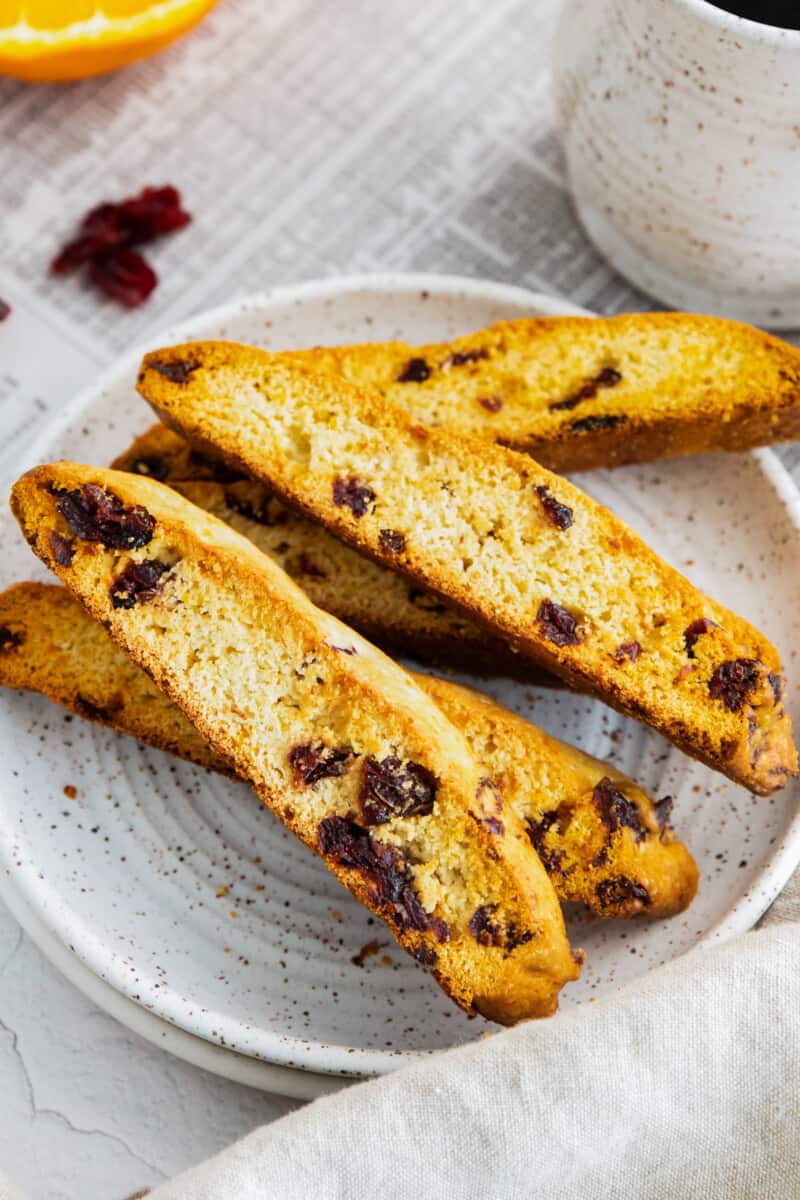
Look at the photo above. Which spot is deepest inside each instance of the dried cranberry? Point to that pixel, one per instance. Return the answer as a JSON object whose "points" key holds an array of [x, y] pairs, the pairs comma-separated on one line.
{"points": [[352, 493], [608, 377], [663, 811], [108, 231], [341, 649], [620, 890], [592, 424], [314, 761], [494, 825], [384, 869], [558, 514], [492, 404], [9, 639], [123, 275], [63, 548], [733, 681], [391, 788], [460, 357], [694, 631], [537, 832], [627, 650], [152, 466], [558, 626], [138, 583], [5, 310], [306, 566], [392, 541], [416, 370], [176, 370], [99, 516], [426, 955], [151, 214], [616, 810], [484, 928], [776, 683]]}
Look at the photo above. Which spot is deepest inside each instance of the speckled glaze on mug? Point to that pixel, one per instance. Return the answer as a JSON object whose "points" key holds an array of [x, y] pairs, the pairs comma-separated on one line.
{"points": [[681, 128]]}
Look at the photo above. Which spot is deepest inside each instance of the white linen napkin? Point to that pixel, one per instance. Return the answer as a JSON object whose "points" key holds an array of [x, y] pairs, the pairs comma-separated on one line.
{"points": [[682, 1085]]}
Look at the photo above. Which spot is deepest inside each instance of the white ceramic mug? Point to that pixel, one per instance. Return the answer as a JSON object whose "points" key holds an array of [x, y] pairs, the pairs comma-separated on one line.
{"points": [[681, 127]]}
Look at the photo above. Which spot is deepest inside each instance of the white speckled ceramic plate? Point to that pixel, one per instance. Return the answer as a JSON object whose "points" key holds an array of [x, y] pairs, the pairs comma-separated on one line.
{"points": [[182, 893]]}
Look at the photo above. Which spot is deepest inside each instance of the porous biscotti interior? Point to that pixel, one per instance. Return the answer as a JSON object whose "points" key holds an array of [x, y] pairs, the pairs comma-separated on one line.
{"points": [[383, 606], [601, 838], [551, 379], [517, 547], [305, 709]]}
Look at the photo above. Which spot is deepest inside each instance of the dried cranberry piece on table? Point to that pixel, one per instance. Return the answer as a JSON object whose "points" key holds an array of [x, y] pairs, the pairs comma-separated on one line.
{"points": [[106, 237]]}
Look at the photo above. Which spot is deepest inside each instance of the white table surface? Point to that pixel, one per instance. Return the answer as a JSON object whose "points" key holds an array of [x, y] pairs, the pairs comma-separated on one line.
{"points": [[309, 139]]}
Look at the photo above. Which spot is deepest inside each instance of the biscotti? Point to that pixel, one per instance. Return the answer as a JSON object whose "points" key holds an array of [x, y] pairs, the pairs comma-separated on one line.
{"points": [[339, 741], [398, 617], [583, 392], [601, 838], [521, 550]]}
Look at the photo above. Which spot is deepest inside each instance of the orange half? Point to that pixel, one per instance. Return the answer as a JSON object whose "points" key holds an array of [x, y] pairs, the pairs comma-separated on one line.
{"points": [[49, 41]]}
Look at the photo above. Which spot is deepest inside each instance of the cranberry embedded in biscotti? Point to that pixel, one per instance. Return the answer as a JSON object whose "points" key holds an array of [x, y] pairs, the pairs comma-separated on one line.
{"points": [[694, 631], [558, 514], [611, 893], [352, 493], [176, 370], [627, 652], [558, 626], [96, 515], [314, 761], [63, 549], [392, 541], [138, 583], [733, 682], [416, 370], [391, 788], [616, 810]]}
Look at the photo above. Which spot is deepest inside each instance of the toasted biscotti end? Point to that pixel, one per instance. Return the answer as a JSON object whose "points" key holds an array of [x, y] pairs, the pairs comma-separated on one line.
{"points": [[584, 392], [603, 840], [340, 742], [522, 551], [49, 644], [587, 834]]}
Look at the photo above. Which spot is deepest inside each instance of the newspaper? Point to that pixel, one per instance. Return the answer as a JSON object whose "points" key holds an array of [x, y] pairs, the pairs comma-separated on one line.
{"points": [[307, 139]]}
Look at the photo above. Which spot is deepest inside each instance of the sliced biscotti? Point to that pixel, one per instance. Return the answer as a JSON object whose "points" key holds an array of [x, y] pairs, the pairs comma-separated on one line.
{"points": [[517, 548], [601, 838], [50, 644], [399, 617], [582, 392], [339, 741]]}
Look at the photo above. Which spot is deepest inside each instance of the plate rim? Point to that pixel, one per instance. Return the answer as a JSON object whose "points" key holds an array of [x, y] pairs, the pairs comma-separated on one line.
{"points": [[276, 1076]]}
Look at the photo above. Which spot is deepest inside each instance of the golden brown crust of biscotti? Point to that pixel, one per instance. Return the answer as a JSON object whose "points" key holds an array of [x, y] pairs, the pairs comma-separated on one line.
{"points": [[340, 742], [603, 840], [521, 550], [381, 605], [584, 392]]}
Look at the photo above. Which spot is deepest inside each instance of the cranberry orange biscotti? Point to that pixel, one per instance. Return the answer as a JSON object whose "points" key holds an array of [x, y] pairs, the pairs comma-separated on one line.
{"points": [[517, 548], [398, 617], [583, 392], [335, 738], [601, 838]]}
